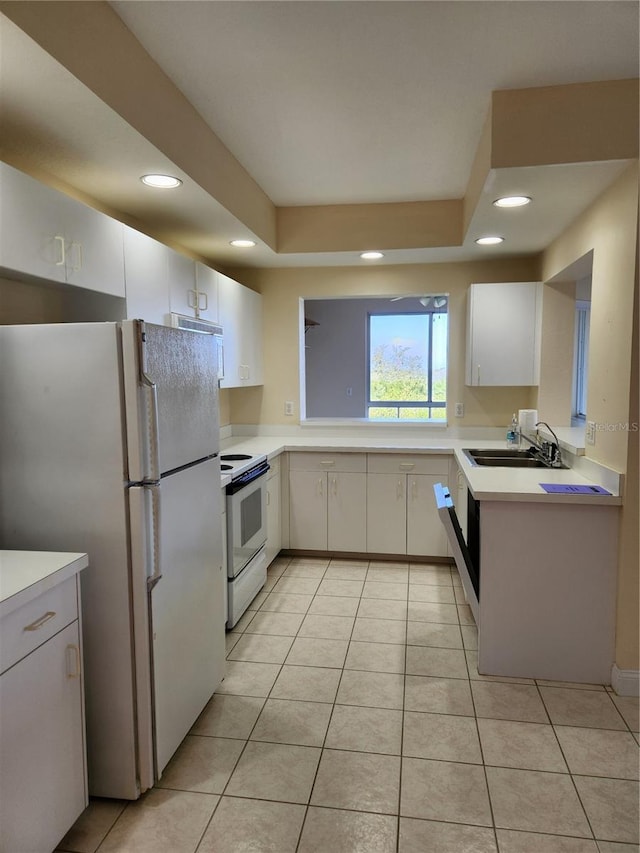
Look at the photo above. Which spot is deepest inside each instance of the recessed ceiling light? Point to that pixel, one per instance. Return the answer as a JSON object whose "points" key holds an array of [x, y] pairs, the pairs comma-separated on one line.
{"points": [[489, 241], [162, 182], [371, 256], [243, 244], [512, 201]]}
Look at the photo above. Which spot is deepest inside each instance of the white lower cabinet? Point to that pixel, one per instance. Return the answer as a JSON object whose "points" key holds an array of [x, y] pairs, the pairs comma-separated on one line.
{"points": [[43, 787], [274, 517], [401, 513], [327, 501]]}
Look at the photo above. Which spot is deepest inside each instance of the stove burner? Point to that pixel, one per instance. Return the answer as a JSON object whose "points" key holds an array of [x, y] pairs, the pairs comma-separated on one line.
{"points": [[235, 457], [226, 467]]}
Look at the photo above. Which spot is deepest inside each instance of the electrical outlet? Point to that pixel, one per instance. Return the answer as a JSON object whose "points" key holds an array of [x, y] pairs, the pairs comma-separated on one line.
{"points": [[459, 410], [590, 435], [288, 407]]}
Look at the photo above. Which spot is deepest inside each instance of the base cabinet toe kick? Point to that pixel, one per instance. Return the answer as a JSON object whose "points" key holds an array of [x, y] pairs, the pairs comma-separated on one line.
{"points": [[541, 582]]}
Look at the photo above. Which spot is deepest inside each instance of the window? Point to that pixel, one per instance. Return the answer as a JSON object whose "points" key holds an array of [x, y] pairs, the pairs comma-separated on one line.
{"points": [[407, 366], [581, 360]]}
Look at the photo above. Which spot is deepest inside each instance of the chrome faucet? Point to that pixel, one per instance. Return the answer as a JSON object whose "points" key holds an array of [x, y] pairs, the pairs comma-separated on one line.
{"points": [[549, 450]]}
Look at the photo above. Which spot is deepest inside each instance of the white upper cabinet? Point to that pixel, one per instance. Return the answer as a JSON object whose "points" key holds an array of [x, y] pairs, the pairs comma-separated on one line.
{"points": [[206, 293], [146, 276], [240, 315], [49, 235], [182, 283], [503, 333]]}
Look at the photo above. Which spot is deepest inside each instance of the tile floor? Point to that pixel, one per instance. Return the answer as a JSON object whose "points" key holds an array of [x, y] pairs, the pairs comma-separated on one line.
{"points": [[353, 720]]}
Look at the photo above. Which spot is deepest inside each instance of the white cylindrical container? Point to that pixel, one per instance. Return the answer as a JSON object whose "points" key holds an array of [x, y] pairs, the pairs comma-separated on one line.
{"points": [[527, 419]]}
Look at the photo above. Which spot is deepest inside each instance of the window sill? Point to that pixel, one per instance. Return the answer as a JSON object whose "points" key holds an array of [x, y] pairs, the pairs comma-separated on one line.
{"points": [[371, 422]]}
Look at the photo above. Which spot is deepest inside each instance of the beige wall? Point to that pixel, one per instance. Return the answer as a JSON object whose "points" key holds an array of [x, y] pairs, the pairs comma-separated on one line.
{"points": [[556, 355], [610, 228], [282, 290], [22, 302]]}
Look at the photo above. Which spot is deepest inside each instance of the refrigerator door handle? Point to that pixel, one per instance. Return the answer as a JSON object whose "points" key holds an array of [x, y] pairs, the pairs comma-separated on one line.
{"points": [[153, 535], [152, 443]]}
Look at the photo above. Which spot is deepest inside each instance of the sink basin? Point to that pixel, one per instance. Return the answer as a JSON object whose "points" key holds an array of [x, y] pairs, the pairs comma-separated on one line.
{"points": [[506, 458], [510, 462]]}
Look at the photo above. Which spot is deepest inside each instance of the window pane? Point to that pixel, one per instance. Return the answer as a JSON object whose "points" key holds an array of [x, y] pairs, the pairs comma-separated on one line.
{"points": [[439, 414], [380, 412], [399, 346], [421, 414]]}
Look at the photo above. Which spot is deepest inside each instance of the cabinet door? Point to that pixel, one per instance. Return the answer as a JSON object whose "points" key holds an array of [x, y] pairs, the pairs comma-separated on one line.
{"points": [[182, 284], [146, 277], [32, 235], [251, 351], [386, 514], [347, 511], [207, 287], [425, 532], [308, 510], [94, 249], [274, 533], [43, 778], [229, 311], [503, 334]]}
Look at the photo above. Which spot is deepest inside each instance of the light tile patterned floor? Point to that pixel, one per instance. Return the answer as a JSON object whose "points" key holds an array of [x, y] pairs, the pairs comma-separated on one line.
{"points": [[353, 720]]}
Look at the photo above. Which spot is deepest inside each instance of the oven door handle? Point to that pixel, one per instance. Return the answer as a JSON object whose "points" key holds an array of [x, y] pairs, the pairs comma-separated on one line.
{"points": [[247, 478]]}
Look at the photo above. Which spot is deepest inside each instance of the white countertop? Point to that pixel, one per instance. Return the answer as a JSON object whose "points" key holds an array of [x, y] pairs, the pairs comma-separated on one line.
{"points": [[486, 483], [26, 574]]}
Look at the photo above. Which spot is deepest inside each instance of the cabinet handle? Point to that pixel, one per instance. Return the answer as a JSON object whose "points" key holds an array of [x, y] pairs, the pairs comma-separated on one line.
{"points": [[478, 375], [320, 488], [73, 661], [327, 462], [78, 254], [335, 486], [60, 241], [34, 626], [414, 490], [399, 490], [268, 498], [407, 466], [206, 300], [192, 303]]}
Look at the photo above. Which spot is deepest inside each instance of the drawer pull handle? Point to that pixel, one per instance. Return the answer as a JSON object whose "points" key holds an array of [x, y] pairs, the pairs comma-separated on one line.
{"points": [[407, 466], [327, 462], [34, 626], [73, 661]]}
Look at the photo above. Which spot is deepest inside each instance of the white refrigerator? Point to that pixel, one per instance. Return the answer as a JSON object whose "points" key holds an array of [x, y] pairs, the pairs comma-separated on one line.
{"points": [[109, 439]]}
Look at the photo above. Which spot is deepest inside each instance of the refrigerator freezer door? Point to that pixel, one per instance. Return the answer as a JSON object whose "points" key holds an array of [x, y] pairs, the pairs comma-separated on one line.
{"points": [[187, 604], [183, 368]]}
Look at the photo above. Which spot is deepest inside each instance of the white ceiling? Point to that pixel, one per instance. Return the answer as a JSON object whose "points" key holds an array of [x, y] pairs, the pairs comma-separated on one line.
{"points": [[329, 102]]}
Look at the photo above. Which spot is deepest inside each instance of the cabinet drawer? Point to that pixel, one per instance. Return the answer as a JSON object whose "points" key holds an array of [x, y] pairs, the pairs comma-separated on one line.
{"points": [[318, 461], [399, 463], [26, 628]]}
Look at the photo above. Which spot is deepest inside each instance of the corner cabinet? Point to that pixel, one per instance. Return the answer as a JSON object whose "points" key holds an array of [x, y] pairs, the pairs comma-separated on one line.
{"points": [[240, 315], [503, 333], [48, 235], [43, 777]]}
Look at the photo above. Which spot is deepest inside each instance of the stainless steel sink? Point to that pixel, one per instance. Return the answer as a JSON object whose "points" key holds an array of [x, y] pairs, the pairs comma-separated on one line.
{"points": [[506, 458]]}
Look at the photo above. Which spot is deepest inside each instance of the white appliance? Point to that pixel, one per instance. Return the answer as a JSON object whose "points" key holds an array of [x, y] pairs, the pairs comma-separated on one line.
{"points": [[466, 554], [246, 497], [109, 443]]}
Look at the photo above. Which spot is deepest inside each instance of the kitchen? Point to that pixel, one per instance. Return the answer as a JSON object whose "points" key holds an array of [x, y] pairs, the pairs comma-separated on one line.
{"points": [[605, 227]]}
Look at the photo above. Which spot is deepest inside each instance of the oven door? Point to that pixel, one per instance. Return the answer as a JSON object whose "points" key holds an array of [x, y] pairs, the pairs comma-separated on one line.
{"points": [[246, 523], [469, 573]]}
